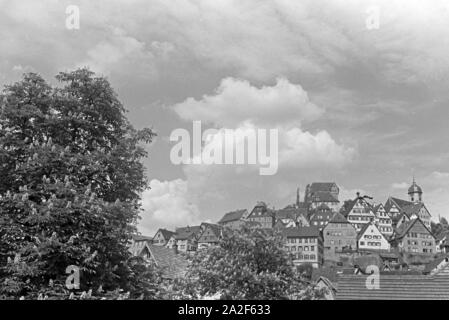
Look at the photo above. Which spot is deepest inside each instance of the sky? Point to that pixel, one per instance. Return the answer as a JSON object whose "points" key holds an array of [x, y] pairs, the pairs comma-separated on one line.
{"points": [[357, 90]]}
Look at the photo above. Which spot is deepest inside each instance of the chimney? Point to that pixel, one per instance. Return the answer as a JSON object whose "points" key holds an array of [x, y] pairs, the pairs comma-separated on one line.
{"points": [[358, 194]]}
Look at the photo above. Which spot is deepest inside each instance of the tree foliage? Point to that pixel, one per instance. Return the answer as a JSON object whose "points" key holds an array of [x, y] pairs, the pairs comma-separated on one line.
{"points": [[70, 182], [247, 264]]}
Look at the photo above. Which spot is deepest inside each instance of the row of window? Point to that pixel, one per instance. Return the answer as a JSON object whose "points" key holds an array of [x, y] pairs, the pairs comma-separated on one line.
{"points": [[300, 248], [374, 236], [425, 250], [419, 235], [299, 240], [360, 218], [424, 243], [299, 256], [371, 244]]}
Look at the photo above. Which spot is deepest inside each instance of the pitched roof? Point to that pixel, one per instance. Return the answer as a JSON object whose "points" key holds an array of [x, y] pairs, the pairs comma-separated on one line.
{"points": [[405, 228], [338, 218], [166, 233], [215, 228], [362, 231], [188, 232], [264, 211], [173, 265], [290, 212], [301, 232], [378, 207], [321, 216], [321, 186], [394, 287], [398, 202], [233, 216], [412, 209]]}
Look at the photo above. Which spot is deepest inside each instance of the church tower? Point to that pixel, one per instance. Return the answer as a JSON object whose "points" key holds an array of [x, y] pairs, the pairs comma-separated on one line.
{"points": [[415, 192]]}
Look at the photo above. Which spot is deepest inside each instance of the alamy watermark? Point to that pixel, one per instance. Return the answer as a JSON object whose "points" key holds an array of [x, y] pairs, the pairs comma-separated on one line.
{"points": [[227, 146]]}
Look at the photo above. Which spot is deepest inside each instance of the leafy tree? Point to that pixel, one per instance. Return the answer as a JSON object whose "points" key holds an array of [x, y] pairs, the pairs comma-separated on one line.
{"points": [[247, 264], [70, 179], [345, 207]]}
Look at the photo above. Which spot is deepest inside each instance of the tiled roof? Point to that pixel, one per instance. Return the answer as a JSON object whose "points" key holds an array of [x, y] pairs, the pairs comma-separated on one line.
{"points": [[398, 202], [185, 233], [290, 213], [321, 186], [300, 232], [405, 227], [233, 216], [394, 287], [216, 230], [362, 231], [173, 265], [262, 208], [412, 209], [321, 216], [166, 233], [338, 218]]}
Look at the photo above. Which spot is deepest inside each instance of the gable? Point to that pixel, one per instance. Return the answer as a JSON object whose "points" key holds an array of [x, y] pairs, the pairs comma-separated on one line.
{"points": [[360, 207], [418, 227]]}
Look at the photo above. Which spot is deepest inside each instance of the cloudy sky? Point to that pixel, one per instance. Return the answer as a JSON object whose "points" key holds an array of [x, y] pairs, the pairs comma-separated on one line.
{"points": [[363, 106]]}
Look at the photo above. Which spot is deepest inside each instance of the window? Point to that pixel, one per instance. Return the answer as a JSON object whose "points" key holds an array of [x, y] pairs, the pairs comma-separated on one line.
{"points": [[306, 248], [312, 248]]}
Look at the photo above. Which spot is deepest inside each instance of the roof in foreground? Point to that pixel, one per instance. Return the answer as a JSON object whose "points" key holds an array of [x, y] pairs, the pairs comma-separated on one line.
{"points": [[172, 264], [394, 287]]}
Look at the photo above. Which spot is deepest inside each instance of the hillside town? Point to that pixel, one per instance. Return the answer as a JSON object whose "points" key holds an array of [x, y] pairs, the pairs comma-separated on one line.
{"points": [[339, 241]]}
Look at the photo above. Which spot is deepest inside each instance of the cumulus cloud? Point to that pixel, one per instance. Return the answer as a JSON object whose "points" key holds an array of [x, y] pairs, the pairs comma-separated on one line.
{"points": [[282, 107], [168, 204], [236, 101]]}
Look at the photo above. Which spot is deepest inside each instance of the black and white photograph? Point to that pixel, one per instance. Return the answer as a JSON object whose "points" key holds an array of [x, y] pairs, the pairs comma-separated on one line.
{"points": [[232, 150]]}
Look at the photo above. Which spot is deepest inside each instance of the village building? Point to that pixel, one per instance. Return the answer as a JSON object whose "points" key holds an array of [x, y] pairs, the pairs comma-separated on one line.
{"points": [[330, 290], [210, 235], [414, 237], [162, 237], [186, 239], [370, 238], [168, 260], [393, 207], [322, 193], [292, 216], [442, 242], [412, 208], [383, 220], [359, 212], [338, 235], [320, 216], [418, 210], [234, 220], [262, 217], [305, 245]]}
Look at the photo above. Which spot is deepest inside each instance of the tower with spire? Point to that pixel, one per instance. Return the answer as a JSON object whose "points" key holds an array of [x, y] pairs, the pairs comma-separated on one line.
{"points": [[415, 192]]}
